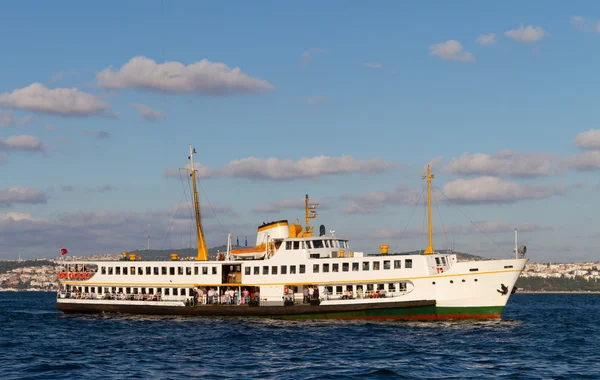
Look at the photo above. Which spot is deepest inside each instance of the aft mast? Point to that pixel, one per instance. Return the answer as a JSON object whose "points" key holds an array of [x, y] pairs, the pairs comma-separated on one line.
{"points": [[429, 177], [202, 251]]}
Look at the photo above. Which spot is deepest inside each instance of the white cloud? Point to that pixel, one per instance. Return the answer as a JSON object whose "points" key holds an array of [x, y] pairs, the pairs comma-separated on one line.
{"points": [[588, 140], [7, 119], [96, 232], [493, 190], [489, 227], [486, 39], [202, 78], [98, 134], [586, 161], [59, 101], [373, 65], [148, 113], [201, 171], [316, 100], [451, 50], [278, 206], [504, 163], [276, 169], [12, 195], [105, 188], [375, 201], [309, 54], [286, 169], [585, 25], [22, 143], [527, 34]]}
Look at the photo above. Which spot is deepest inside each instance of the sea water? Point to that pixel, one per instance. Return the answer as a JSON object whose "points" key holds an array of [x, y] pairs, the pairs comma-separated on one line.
{"points": [[541, 336]]}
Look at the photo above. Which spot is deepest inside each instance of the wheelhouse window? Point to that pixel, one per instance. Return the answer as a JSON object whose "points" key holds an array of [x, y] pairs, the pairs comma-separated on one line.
{"points": [[325, 268], [326, 243], [204, 270], [172, 271], [125, 271], [132, 270], [354, 267], [345, 267], [288, 245], [302, 268], [195, 271], [214, 270], [376, 265], [180, 270], [365, 265], [397, 264], [156, 271], [163, 270], [103, 270], [296, 245], [247, 271], [284, 269], [118, 270], [256, 270], [188, 271], [140, 271], [318, 243], [335, 267], [309, 244], [110, 271], [408, 263], [292, 269], [266, 269], [315, 268], [148, 270], [274, 269], [386, 264]]}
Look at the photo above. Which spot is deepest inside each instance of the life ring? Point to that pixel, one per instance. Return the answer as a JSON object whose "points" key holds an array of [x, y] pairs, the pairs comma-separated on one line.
{"points": [[285, 290], [71, 275], [439, 270], [87, 275], [60, 274]]}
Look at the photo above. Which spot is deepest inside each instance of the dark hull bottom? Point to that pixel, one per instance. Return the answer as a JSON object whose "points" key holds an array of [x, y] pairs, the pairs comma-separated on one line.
{"points": [[411, 310]]}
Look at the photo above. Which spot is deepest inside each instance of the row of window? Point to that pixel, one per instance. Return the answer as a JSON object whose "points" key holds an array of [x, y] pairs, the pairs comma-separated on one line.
{"points": [[266, 269], [156, 270], [290, 245], [326, 268], [129, 290], [391, 287]]}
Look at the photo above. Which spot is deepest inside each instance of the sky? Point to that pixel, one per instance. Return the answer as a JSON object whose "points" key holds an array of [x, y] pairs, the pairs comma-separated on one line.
{"points": [[346, 102]]}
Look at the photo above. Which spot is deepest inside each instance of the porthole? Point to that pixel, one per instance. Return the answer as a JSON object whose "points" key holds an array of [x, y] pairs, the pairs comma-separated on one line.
{"points": [[433, 283], [464, 280], [475, 280], [452, 282]]}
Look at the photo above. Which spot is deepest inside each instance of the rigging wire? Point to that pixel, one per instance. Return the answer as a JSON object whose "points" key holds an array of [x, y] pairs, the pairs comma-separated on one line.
{"points": [[213, 210], [441, 220], [409, 219], [482, 231]]}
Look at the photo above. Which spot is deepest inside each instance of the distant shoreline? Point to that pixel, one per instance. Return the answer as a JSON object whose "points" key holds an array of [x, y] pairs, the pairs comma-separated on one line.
{"points": [[557, 292]]}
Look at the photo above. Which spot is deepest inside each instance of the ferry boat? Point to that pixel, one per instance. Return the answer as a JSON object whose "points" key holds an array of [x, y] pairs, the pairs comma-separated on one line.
{"points": [[294, 273]]}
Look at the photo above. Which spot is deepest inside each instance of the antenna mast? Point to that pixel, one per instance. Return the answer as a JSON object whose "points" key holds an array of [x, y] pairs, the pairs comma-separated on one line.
{"points": [[148, 237], [429, 177], [310, 213], [202, 251]]}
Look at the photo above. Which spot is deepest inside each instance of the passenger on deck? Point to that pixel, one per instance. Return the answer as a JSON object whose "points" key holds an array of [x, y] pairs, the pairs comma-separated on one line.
{"points": [[305, 293]]}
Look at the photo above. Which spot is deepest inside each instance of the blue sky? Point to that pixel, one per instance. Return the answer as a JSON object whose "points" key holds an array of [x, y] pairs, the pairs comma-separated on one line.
{"points": [[344, 101]]}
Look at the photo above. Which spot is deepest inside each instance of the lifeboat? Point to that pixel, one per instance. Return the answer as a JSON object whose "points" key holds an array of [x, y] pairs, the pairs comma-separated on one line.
{"points": [[257, 252]]}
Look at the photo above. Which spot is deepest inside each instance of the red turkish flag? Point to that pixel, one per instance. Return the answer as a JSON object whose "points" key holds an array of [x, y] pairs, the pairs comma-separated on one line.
{"points": [[63, 251]]}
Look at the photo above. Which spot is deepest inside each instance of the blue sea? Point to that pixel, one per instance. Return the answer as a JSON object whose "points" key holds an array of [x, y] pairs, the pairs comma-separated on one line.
{"points": [[541, 336]]}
